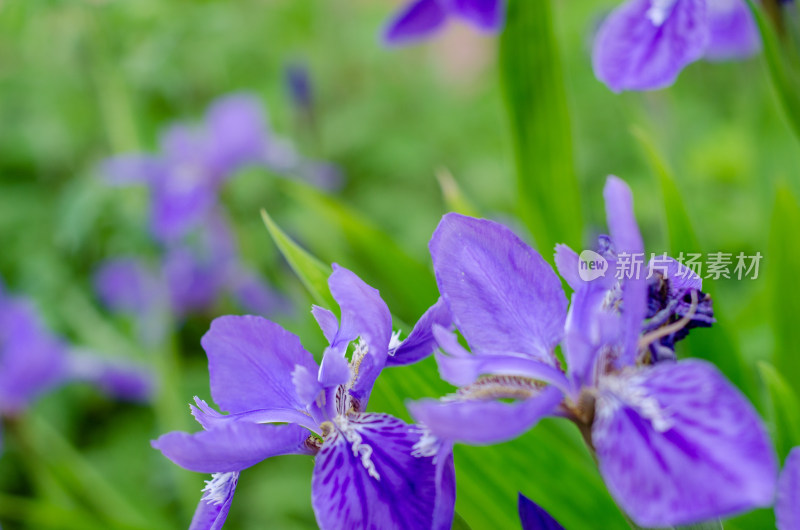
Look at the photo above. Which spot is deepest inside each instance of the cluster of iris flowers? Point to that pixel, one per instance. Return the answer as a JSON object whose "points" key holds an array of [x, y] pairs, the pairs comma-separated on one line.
{"points": [[674, 441]]}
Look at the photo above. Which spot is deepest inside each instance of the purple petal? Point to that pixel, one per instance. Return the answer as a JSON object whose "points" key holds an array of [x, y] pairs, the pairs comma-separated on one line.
{"points": [[237, 132], [126, 285], [250, 362], [534, 517], [787, 505], [642, 47], [116, 378], [327, 322], [734, 34], [366, 477], [626, 237], [233, 446], [123, 170], [212, 510], [193, 283], [461, 368], [211, 419], [567, 262], [678, 444], [32, 360], [483, 422], [503, 296], [418, 20], [680, 278], [364, 315], [486, 15], [420, 343]]}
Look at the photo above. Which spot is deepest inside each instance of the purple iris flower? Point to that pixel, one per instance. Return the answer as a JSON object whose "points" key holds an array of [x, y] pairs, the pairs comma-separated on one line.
{"points": [[193, 275], [534, 517], [365, 474], [33, 361], [184, 178], [422, 18], [675, 442], [644, 44], [787, 505]]}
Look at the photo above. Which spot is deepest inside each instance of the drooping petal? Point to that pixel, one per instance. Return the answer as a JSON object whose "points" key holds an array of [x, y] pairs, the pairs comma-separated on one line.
{"points": [[420, 342], [212, 510], [787, 505], [503, 296], [483, 422], [644, 44], [485, 15], [462, 368], [232, 446], [364, 314], [678, 444], [366, 477], [627, 239], [534, 517], [418, 20], [250, 363], [734, 34]]}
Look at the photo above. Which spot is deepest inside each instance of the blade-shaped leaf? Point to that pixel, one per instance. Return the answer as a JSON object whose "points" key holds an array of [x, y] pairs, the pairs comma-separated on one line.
{"points": [[783, 409], [533, 84], [454, 198]]}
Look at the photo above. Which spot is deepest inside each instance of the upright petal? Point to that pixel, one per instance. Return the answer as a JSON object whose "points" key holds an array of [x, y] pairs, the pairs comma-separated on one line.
{"points": [[418, 20], [503, 296], [327, 322], [678, 444], [787, 506], [232, 446], [364, 315], [212, 510], [366, 477], [734, 34], [644, 44], [486, 15], [534, 517], [627, 239], [480, 422], [250, 363], [420, 342]]}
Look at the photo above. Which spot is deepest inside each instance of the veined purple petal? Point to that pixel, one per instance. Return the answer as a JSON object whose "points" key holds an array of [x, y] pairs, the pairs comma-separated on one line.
{"points": [[364, 315], [485, 15], [212, 510], [114, 377], [32, 360], [626, 237], [787, 505], [418, 20], [420, 342], [503, 296], [483, 422], [366, 477], [237, 132], [678, 444], [250, 363], [534, 517], [644, 44], [327, 322], [462, 368], [734, 34], [124, 170], [233, 446]]}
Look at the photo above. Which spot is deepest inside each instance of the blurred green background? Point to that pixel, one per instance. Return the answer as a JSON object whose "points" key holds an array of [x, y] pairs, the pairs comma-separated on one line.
{"points": [[83, 80]]}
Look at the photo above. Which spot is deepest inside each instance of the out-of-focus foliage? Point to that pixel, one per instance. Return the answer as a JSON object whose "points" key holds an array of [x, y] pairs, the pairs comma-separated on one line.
{"points": [[84, 79]]}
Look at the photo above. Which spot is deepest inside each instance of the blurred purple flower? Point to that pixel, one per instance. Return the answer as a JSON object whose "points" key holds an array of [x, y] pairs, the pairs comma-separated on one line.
{"points": [[33, 361], [534, 517], [365, 475], [184, 178], [644, 44], [298, 84], [420, 19], [675, 442], [787, 505]]}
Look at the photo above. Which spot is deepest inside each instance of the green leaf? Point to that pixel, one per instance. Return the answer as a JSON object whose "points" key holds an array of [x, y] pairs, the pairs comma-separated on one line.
{"points": [[781, 264], [715, 344], [532, 78], [311, 271], [783, 410]]}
